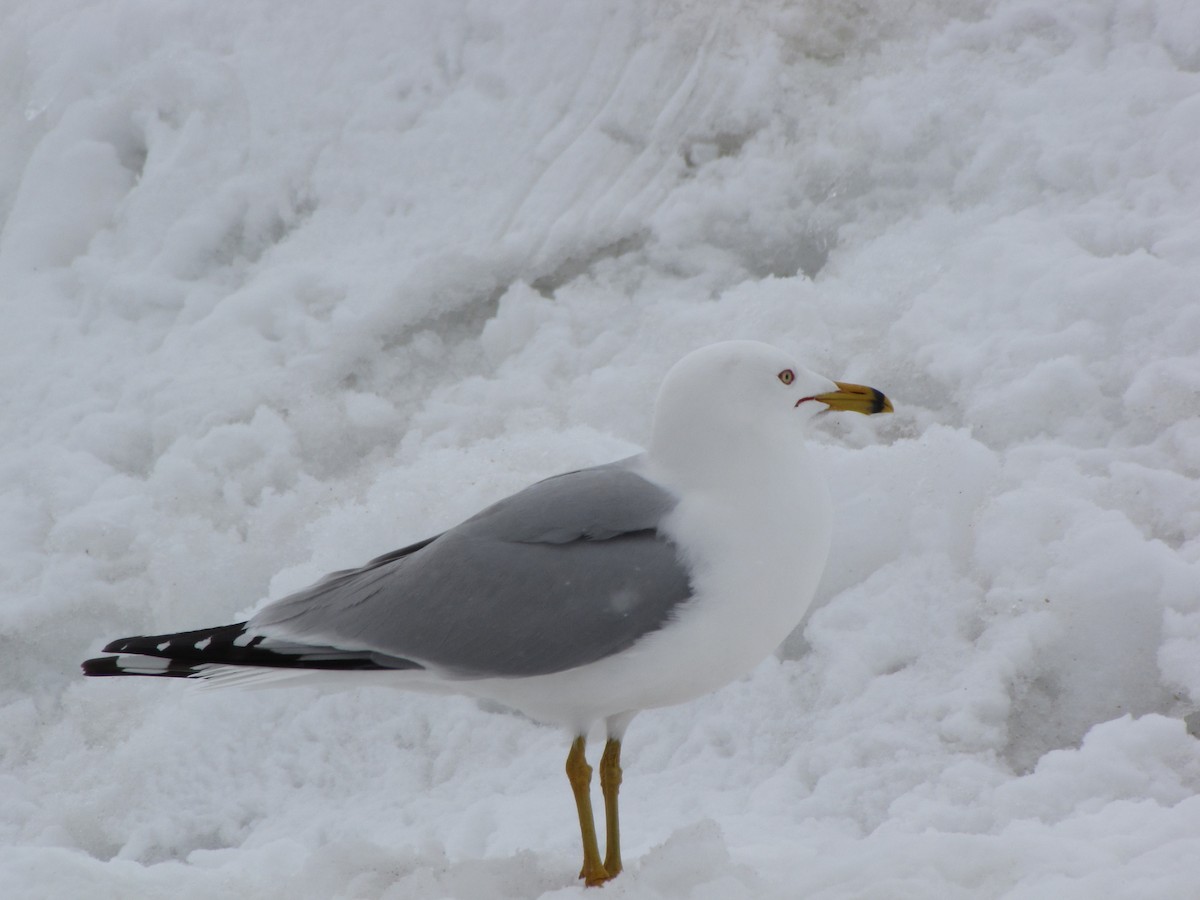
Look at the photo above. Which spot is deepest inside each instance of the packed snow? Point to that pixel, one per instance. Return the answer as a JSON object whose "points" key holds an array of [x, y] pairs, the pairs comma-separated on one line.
{"points": [[288, 286]]}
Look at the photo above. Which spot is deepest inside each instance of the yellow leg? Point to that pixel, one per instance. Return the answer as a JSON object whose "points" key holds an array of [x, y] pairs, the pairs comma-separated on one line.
{"points": [[610, 785], [579, 773]]}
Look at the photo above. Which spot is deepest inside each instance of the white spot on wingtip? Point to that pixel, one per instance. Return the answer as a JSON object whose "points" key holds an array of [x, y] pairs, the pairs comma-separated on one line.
{"points": [[142, 663], [201, 645], [163, 646]]}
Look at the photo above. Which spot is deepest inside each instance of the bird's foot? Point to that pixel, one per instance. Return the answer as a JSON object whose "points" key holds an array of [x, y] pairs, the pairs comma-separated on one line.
{"points": [[596, 875]]}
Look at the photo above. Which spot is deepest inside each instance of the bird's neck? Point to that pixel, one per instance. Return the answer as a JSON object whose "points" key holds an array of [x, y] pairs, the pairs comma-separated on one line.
{"points": [[738, 460]]}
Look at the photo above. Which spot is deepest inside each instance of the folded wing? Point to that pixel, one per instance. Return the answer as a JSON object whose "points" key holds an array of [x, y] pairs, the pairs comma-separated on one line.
{"points": [[561, 574], [564, 573]]}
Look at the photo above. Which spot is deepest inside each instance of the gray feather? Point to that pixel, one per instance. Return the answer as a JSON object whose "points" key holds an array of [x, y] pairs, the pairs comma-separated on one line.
{"points": [[561, 574]]}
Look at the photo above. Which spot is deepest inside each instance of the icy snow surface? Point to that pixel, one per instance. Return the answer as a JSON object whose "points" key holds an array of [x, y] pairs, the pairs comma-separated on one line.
{"points": [[286, 286]]}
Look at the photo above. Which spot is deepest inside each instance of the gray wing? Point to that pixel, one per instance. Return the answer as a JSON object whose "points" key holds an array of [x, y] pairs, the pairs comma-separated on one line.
{"points": [[563, 573]]}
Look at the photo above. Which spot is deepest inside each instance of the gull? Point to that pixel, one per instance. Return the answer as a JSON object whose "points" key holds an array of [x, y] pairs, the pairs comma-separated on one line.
{"points": [[589, 596]]}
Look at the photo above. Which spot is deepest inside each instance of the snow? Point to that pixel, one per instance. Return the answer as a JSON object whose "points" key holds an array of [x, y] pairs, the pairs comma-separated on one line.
{"points": [[286, 288]]}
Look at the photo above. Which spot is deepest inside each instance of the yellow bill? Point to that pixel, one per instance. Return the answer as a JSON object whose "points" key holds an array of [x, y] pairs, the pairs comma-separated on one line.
{"points": [[856, 398]]}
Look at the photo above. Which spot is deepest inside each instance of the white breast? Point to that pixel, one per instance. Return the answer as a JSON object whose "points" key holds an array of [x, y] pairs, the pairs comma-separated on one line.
{"points": [[757, 552]]}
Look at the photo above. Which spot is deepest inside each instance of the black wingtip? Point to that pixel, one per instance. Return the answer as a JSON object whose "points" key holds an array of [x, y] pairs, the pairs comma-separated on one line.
{"points": [[186, 654], [182, 645], [101, 665]]}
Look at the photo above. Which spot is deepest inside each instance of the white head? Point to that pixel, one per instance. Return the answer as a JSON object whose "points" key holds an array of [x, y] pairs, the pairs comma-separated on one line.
{"points": [[738, 400]]}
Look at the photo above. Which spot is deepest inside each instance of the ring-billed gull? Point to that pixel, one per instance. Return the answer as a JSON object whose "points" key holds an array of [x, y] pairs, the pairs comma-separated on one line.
{"points": [[586, 597]]}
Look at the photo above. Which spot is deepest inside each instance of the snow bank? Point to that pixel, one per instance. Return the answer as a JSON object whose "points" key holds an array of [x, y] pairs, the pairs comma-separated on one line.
{"points": [[288, 288]]}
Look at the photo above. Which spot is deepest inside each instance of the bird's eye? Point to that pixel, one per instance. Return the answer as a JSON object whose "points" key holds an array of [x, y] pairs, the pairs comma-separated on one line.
{"points": [[787, 376]]}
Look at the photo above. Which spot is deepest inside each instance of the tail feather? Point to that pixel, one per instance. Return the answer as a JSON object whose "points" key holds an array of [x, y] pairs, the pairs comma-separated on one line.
{"points": [[188, 654]]}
